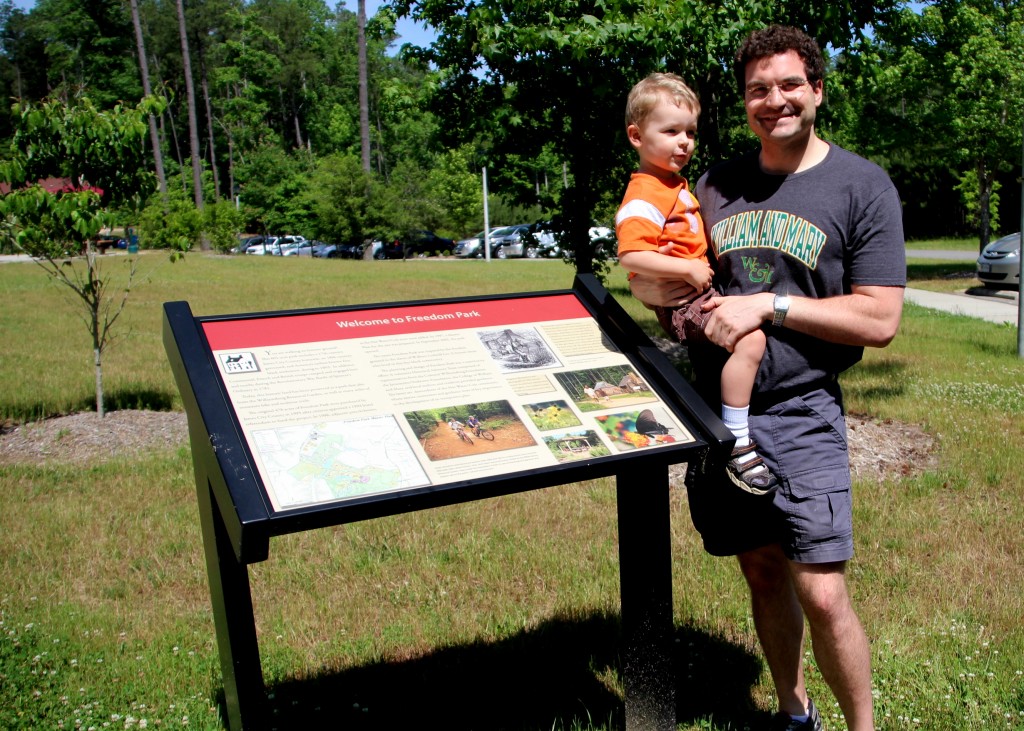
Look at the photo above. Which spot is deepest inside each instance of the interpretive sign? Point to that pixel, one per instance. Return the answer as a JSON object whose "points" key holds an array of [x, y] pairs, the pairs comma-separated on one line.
{"points": [[341, 405], [311, 418]]}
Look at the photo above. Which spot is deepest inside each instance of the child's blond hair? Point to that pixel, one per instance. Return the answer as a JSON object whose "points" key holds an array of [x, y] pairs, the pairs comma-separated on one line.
{"points": [[646, 94]]}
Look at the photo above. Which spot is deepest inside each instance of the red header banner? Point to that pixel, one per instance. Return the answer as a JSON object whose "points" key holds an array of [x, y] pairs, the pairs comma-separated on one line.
{"points": [[320, 327]]}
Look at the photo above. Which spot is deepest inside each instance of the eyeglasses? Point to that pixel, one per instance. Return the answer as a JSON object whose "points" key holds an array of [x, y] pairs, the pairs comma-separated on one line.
{"points": [[789, 88]]}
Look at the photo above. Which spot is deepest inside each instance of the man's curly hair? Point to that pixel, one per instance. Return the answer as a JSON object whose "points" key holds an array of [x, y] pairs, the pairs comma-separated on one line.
{"points": [[776, 39]]}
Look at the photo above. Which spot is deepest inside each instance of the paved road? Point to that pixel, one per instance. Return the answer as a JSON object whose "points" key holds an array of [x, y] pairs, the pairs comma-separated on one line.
{"points": [[939, 254]]}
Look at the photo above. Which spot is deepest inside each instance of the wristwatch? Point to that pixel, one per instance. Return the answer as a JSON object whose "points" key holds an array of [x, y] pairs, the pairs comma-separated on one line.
{"points": [[781, 309]]}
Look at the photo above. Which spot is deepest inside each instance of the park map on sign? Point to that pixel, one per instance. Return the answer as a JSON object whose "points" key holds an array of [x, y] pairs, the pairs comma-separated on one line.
{"points": [[337, 460]]}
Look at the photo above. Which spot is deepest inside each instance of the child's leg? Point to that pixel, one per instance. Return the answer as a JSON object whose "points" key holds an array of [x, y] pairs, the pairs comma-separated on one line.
{"points": [[740, 370], [745, 466]]}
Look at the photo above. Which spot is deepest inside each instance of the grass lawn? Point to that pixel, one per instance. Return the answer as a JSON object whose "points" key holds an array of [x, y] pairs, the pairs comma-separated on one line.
{"points": [[498, 614]]}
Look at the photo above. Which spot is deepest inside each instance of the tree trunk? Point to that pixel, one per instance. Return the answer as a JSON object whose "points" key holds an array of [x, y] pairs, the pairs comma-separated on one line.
{"points": [[364, 104], [167, 119], [985, 183], [92, 295], [209, 124], [193, 124], [299, 144], [158, 158], [99, 383]]}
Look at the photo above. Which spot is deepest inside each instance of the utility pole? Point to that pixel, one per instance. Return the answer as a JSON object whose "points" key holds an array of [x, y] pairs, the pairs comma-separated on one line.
{"points": [[487, 225], [1020, 254]]}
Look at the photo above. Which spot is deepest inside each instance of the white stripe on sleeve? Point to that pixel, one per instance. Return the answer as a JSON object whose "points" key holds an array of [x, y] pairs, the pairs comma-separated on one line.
{"points": [[640, 209]]}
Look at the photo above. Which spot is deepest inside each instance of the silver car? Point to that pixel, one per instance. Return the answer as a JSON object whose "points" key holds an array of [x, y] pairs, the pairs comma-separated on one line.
{"points": [[473, 246], [999, 263], [525, 240]]}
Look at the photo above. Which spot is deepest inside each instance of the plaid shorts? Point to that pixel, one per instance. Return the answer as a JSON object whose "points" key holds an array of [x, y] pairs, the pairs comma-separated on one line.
{"points": [[686, 323]]}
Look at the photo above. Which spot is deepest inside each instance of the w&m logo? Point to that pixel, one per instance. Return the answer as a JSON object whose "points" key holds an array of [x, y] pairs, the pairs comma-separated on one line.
{"points": [[756, 272]]}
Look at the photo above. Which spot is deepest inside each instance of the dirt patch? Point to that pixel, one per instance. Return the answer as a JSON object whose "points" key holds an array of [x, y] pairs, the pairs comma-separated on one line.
{"points": [[878, 449], [83, 438]]}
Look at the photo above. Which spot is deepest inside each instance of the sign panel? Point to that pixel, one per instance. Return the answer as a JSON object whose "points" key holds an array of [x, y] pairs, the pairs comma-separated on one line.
{"points": [[347, 404]]}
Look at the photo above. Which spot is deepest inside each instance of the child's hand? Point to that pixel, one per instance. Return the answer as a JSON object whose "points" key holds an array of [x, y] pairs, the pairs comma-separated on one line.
{"points": [[698, 274]]}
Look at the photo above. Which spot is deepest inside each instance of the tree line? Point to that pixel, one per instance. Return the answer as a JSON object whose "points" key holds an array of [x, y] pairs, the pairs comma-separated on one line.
{"points": [[291, 116]]}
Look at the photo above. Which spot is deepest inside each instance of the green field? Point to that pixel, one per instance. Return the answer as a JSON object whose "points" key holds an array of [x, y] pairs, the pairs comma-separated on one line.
{"points": [[499, 614]]}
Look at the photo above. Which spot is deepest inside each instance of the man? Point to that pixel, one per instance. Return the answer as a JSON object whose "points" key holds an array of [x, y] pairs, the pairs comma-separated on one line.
{"points": [[811, 236]]}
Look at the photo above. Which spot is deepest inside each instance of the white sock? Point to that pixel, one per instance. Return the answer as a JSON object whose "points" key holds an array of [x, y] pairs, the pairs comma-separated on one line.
{"points": [[736, 420]]}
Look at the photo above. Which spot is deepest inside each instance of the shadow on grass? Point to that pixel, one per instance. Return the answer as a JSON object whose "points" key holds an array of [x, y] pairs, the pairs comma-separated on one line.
{"points": [[560, 675], [879, 379], [124, 399], [940, 270]]}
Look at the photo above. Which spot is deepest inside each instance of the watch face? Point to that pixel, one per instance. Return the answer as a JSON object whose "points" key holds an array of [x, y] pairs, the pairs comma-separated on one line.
{"points": [[781, 309]]}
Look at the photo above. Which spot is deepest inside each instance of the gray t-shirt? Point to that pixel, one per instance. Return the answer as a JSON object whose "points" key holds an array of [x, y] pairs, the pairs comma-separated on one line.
{"points": [[815, 234]]}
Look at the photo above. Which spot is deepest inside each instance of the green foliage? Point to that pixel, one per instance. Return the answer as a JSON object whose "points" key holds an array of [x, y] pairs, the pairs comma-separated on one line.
{"points": [[967, 187], [221, 224], [174, 223], [553, 76], [171, 223], [534, 91], [61, 47], [54, 225], [939, 93], [342, 200], [277, 192], [94, 158], [457, 193]]}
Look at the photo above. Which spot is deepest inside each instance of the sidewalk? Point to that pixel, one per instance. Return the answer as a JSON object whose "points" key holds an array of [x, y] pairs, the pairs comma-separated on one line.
{"points": [[998, 307]]}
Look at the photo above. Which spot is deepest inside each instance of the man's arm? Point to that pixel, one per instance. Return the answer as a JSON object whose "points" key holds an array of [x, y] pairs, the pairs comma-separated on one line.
{"points": [[869, 316]]}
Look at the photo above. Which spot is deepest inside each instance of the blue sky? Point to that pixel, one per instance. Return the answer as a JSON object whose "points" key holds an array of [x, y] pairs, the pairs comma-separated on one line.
{"points": [[408, 31]]}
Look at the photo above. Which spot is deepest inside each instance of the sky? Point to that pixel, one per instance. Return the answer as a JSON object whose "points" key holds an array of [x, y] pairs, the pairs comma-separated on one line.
{"points": [[408, 31]]}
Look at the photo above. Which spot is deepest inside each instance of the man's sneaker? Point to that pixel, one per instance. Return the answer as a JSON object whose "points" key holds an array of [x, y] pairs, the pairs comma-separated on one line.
{"points": [[782, 721], [751, 474]]}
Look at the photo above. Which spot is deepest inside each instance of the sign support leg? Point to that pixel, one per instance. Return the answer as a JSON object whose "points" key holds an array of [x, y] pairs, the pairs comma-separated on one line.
{"points": [[244, 693], [645, 567]]}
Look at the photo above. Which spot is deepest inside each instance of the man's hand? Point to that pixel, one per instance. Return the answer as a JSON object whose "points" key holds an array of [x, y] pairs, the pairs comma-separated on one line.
{"points": [[733, 317]]}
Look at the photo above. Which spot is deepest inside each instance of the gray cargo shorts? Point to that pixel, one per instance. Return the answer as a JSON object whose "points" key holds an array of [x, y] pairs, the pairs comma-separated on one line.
{"points": [[803, 442]]}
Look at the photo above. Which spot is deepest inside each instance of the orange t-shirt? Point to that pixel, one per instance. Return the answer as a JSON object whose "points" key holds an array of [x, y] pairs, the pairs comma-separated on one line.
{"points": [[654, 213]]}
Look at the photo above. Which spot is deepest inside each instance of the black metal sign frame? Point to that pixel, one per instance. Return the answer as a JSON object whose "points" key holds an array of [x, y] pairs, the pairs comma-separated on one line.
{"points": [[238, 519]]}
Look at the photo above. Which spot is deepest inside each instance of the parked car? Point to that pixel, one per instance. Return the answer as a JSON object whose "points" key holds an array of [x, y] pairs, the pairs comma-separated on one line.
{"points": [[474, 245], [602, 237], [386, 250], [340, 251], [999, 263], [294, 246], [267, 247], [245, 242], [512, 241], [424, 243], [317, 247]]}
